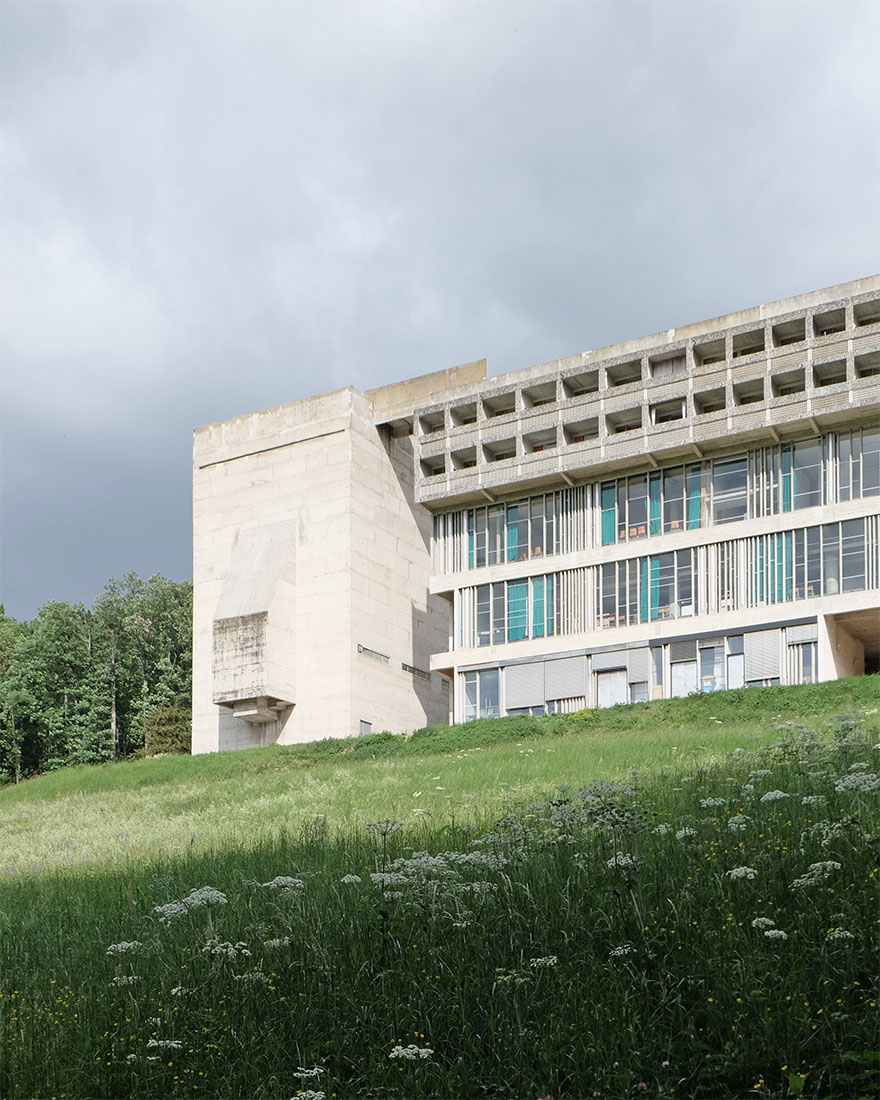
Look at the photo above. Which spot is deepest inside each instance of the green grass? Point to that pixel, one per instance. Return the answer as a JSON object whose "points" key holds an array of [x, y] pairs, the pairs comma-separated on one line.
{"points": [[651, 969], [116, 813]]}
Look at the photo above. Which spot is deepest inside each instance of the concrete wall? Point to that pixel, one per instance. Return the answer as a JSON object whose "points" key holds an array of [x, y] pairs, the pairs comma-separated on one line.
{"points": [[840, 654], [306, 544]]}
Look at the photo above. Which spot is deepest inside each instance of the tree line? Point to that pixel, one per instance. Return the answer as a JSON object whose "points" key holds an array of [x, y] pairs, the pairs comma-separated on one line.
{"points": [[82, 686]]}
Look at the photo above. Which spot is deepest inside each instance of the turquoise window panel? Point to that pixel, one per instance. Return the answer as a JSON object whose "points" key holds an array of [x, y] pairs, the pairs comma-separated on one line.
{"points": [[517, 610]]}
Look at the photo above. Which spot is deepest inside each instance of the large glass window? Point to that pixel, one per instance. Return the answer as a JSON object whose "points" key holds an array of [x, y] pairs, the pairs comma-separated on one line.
{"points": [[481, 694], [729, 490]]}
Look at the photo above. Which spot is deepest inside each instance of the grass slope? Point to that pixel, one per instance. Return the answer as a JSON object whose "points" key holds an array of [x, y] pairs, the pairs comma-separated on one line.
{"points": [[116, 813]]}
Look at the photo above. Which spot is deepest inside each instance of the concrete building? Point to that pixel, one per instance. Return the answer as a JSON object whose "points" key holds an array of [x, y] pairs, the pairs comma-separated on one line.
{"points": [[689, 511]]}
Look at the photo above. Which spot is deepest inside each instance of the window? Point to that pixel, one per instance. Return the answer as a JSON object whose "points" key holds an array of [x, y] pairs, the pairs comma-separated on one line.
{"points": [[510, 611], [662, 586], [365, 728], [481, 694], [802, 667], [859, 463], [729, 490]]}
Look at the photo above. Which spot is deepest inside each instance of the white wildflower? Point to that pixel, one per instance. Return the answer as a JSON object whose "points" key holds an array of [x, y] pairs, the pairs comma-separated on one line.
{"points": [[859, 782], [164, 1044], [742, 872], [251, 977], [710, 803], [759, 774], [196, 899], [661, 830], [543, 963], [127, 947], [315, 1071], [812, 799], [684, 833], [839, 934], [763, 922], [622, 860], [285, 882], [486, 861], [622, 951], [859, 767], [223, 949], [181, 991], [748, 788], [281, 941], [816, 874], [383, 879], [126, 979], [738, 823], [131, 1058], [776, 934], [773, 796], [411, 1053], [384, 827], [351, 880], [309, 1094]]}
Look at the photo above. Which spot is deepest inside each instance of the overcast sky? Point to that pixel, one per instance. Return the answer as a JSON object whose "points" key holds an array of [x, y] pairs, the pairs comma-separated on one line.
{"points": [[210, 208]]}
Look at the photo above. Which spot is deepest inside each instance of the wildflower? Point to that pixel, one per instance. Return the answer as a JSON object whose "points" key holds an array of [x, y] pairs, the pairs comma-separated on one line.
{"points": [[682, 834], [350, 880], [164, 1044], [282, 941], [285, 882], [181, 991], [411, 1053], [816, 873], [223, 949], [665, 1061], [742, 872], [641, 1085], [775, 934], [661, 830], [251, 977], [763, 922], [621, 951], [543, 963], [126, 979], [309, 1094], [622, 860], [709, 803], [196, 899], [859, 782], [385, 827], [760, 773], [738, 823], [839, 934], [773, 796], [812, 799], [124, 948], [131, 1057], [315, 1071], [388, 878]]}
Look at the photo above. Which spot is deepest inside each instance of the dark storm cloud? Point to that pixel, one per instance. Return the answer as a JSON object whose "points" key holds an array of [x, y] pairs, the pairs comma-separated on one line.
{"points": [[211, 208]]}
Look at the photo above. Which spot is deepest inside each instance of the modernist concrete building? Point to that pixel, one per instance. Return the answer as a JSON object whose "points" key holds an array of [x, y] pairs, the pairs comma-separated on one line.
{"points": [[690, 511]]}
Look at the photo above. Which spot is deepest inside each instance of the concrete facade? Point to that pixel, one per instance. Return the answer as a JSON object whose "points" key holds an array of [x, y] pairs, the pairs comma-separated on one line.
{"points": [[688, 511]]}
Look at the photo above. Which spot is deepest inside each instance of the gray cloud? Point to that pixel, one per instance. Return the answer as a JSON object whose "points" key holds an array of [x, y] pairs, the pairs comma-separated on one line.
{"points": [[211, 208]]}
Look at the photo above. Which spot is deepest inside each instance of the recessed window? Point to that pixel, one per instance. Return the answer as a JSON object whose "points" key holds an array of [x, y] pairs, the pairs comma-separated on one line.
{"points": [[540, 441], [868, 365], [464, 414], [581, 431], [827, 374], [626, 421], [501, 404], [709, 401], [747, 393], [867, 313], [543, 394], [788, 382], [669, 365], [624, 372], [365, 728], [576, 384], [833, 320], [748, 343], [712, 351], [499, 450], [789, 332], [373, 654], [667, 411], [464, 459], [432, 421], [434, 466]]}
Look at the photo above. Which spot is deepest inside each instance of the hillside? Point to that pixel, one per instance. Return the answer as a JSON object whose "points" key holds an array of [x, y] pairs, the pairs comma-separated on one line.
{"points": [[112, 813]]}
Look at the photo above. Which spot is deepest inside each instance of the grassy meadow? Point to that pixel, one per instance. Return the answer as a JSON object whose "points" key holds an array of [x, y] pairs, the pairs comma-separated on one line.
{"points": [[674, 899]]}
